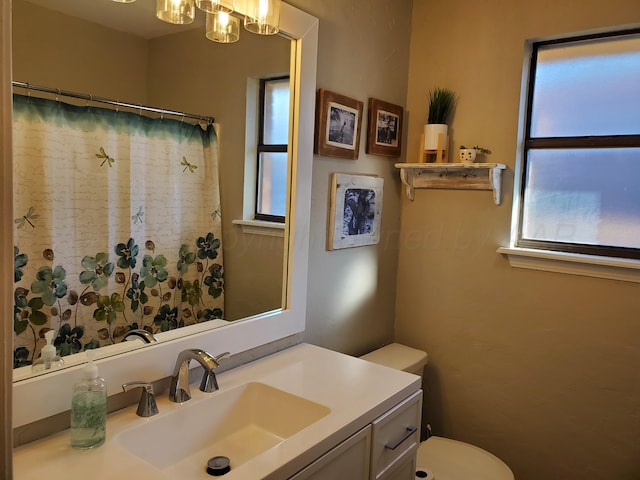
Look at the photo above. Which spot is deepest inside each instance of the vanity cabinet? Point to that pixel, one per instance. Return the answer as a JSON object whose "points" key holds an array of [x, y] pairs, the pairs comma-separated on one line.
{"points": [[358, 421], [384, 450]]}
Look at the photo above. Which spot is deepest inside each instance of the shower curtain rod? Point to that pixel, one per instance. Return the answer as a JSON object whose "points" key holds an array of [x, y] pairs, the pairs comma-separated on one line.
{"points": [[108, 101]]}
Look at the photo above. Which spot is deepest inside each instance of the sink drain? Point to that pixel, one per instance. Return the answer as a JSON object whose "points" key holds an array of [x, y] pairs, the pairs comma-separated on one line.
{"points": [[217, 466], [424, 474]]}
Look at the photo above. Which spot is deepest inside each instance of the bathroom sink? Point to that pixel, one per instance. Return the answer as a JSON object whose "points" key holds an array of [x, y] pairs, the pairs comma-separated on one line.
{"points": [[240, 424]]}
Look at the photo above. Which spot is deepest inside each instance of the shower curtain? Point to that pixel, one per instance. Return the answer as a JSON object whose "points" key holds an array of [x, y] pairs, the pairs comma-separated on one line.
{"points": [[117, 225]]}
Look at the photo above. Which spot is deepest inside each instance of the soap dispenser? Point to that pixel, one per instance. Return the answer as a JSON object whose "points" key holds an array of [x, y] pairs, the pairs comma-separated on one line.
{"points": [[89, 408], [48, 358]]}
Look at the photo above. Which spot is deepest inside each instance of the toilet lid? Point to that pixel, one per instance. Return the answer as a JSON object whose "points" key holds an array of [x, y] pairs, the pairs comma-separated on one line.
{"points": [[452, 460], [399, 357]]}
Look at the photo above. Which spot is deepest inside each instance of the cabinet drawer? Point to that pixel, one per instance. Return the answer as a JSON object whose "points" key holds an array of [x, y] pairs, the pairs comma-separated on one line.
{"points": [[404, 469], [349, 460], [396, 436]]}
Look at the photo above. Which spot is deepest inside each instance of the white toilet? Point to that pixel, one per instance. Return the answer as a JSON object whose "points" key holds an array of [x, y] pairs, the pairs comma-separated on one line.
{"points": [[440, 458]]}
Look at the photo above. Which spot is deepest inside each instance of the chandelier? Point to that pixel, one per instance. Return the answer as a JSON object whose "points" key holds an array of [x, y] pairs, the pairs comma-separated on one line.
{"points": [[223, 16]]}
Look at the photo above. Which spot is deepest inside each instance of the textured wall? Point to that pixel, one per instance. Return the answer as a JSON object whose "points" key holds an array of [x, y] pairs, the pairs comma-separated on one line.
{"points": [[539, 368], [363, 52]]}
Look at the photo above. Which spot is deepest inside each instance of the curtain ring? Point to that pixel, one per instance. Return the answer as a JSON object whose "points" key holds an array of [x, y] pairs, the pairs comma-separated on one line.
{"points": [[58, 94], [28, 91]]}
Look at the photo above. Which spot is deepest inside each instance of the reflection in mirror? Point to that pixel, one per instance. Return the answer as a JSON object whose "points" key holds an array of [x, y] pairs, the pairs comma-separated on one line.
{"points": [[114, 289]]}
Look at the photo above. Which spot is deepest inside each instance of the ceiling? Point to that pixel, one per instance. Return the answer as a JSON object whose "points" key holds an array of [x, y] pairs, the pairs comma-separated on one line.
{"points": [[137, 18]]}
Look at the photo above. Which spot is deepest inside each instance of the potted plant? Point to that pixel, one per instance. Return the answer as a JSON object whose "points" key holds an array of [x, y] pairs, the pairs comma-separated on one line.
{"points": [[469, 155], [441, 103]]}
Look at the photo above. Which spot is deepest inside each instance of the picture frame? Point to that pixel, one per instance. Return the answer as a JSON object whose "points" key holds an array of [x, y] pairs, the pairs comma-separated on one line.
{"points": [[355, 210], [384, 132], [338, 123]]}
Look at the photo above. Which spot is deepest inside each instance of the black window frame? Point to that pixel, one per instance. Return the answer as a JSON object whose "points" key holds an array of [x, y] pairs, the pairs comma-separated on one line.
{"points": [[266, 148], [590, 142]]}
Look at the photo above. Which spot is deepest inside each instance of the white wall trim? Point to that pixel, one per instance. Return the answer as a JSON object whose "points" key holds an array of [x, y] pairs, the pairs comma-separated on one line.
{"points": [[259, 227], [611, 268]]}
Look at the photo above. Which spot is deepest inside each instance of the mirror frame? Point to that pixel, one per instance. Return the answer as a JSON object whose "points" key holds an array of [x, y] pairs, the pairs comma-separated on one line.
{"points": [[156, 361]]}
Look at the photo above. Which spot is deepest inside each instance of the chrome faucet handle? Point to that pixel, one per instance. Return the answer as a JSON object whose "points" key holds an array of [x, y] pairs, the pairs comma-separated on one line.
{"points": [[209, 381], [147, 405]]}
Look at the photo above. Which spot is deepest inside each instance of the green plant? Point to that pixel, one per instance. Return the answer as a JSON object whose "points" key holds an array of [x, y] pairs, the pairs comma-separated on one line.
{"points": [[441, 103], [484, 151]]}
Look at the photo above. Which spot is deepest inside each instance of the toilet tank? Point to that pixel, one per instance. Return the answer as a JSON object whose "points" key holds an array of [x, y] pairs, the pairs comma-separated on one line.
{"points": [[400, 357]]}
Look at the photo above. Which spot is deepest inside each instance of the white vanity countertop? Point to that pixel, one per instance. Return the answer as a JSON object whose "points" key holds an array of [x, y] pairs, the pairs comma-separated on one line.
{"points": [[354, 390]]}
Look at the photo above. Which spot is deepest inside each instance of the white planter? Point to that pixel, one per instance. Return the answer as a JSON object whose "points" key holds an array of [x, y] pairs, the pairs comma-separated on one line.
{"points": [[467, 155], [431, 132]]}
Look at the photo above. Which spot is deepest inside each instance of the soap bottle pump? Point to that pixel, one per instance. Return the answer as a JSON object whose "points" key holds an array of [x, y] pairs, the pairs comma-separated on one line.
{"points": [[48, 357], [89, 408]]}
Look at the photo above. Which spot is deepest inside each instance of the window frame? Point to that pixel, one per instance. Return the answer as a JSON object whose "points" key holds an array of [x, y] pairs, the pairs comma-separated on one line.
{"points": [[261, 148], [540, 143]]}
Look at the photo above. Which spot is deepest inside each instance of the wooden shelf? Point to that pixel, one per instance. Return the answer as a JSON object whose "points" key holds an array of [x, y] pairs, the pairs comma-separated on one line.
{"points": [[466, 176]]}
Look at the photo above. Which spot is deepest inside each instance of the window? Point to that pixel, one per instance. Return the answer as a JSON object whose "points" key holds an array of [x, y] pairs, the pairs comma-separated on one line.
{"points": [[580, 168], [273, 137]]}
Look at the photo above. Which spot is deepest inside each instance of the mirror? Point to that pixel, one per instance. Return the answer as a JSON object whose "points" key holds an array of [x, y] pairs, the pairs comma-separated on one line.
{"points": [[127, 54], [157, 360]]}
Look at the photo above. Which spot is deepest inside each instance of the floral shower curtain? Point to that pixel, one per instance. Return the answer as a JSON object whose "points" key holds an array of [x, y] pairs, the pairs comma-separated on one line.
{"points": [[117, 225]]}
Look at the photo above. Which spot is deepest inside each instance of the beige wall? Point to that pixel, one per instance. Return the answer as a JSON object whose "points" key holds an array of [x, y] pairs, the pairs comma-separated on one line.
{"points": [[47, 51], [362, 53], [539, 368], [166, 72]]}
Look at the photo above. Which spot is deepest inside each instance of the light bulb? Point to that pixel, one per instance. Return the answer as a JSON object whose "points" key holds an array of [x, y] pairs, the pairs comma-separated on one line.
{"points": [[176, 11], [262, 16], [222, 27]]}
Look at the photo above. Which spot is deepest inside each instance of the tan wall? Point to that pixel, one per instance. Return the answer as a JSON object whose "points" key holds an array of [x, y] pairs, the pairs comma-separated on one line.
{"points": [[50, 48], [166, 72], [539, 368], [363, 52]]}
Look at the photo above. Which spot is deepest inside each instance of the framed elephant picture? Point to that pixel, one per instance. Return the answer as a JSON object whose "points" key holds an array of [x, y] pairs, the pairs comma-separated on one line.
{"points": [[355, 211]]}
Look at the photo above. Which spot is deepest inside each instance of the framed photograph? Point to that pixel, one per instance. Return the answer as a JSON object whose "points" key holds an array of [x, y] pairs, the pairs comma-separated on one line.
{"points": [[337, 125], [384, 132], [355, 211]]}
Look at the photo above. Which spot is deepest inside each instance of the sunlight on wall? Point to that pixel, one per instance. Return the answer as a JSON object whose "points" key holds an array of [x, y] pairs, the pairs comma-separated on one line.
{"points": [[359, 282]]}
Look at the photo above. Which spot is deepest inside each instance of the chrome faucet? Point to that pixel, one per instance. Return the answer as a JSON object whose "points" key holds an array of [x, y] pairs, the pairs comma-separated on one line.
{"points": [[179, 390], [147, 337]]}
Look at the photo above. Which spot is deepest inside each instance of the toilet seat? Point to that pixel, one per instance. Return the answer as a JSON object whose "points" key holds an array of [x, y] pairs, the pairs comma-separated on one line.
{"points": [[453, 460]]}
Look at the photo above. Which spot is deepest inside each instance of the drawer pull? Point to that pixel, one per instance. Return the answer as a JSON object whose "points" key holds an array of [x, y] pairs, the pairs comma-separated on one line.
{"points": [[408, 432]]}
